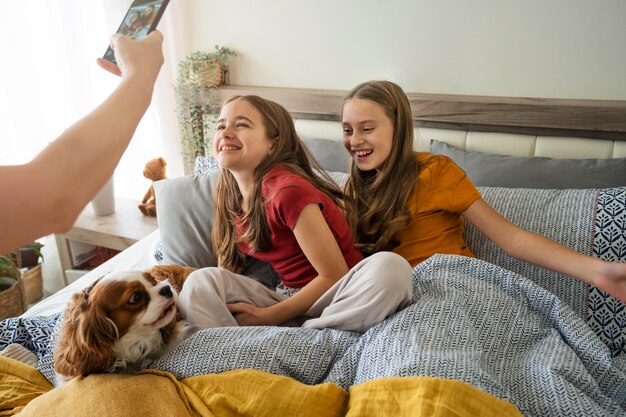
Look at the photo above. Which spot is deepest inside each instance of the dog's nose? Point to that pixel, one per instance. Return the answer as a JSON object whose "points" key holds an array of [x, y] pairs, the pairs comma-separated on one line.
{"points": [[166, 292]]}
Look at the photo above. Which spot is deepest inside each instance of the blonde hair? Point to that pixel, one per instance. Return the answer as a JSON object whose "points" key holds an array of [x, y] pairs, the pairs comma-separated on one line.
{"points": [[290, 152], [376, 200]]}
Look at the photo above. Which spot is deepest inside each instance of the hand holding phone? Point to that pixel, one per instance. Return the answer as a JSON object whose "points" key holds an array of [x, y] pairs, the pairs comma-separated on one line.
{"points": [[141, 18]]}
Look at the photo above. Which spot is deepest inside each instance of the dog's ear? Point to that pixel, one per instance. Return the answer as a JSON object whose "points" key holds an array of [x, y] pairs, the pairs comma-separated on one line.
{"points": [[176, 274], [85, 339], [160, 272]]}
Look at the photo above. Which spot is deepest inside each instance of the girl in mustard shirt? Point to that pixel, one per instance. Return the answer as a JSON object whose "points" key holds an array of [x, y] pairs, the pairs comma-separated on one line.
{"points": [[414, 203]]}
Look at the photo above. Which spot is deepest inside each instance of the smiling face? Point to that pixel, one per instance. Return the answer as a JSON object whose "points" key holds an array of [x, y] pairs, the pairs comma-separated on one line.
{"points": [[367, 133], [241, 141]]}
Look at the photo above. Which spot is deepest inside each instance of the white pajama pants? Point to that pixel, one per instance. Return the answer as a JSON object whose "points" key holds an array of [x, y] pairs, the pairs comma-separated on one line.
{"points": [[372, 290]]}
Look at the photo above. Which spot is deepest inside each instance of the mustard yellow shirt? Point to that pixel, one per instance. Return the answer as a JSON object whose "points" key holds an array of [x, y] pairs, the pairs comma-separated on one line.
{"points": [[443, 191]]}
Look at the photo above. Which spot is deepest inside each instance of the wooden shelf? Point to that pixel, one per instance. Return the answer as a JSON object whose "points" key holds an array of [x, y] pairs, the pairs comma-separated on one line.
{"points": [[117, 231]]}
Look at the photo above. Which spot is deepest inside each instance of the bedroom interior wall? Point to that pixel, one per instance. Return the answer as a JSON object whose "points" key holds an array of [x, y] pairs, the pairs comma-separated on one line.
{"points": [[532, 48]]}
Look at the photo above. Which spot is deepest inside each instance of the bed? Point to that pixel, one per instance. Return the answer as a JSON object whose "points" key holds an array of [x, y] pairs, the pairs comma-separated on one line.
{"points": [[484, 336]]}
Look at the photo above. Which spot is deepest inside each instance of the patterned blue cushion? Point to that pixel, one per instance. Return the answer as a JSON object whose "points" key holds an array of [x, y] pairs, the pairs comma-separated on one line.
{"points": [[589, 221], [158, 252], [36, 334], [606, 315], [205, 164]]}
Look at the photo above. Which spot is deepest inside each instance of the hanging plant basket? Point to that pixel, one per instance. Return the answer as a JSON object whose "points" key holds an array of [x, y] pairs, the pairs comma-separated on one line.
{"points": [[199, 75]]}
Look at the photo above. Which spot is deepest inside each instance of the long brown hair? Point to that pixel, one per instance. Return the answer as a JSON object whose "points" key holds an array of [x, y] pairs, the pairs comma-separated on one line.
{"points": [[290, 152], [376, 202]]}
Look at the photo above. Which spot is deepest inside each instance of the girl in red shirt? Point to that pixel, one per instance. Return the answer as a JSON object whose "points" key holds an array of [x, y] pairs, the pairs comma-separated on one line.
{"points": [[414, 203], [273, 202]]}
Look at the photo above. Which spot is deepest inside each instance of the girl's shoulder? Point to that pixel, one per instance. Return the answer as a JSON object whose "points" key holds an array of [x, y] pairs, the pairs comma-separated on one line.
{"points": [[433, 161], [440, 172], [280, 177], [281, 174]]}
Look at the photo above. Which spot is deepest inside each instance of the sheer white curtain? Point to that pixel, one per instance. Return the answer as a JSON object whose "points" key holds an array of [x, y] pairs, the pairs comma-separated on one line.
{"points": [[49, 79]]}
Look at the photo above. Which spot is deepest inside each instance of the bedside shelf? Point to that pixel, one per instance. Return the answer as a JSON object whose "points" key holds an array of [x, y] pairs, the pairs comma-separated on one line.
{"points": [[117, 231]]}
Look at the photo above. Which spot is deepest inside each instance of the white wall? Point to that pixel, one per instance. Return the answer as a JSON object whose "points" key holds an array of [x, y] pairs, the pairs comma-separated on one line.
{"points": [[529, 48]]}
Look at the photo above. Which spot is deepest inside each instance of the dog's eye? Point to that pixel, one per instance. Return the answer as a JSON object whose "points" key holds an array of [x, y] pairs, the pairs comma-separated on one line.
{"points": [[136, 297]]}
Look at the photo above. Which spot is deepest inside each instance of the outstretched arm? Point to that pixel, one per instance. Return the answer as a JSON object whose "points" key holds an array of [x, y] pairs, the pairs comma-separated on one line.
{"points": [[47, 194], [538, 250]]}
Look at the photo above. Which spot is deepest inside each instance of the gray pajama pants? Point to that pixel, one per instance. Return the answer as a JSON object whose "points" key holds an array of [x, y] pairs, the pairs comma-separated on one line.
{"points": [[372, 290]]}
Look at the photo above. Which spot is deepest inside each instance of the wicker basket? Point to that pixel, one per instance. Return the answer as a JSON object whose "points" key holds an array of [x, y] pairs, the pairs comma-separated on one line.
{"points": [[204, 74], [13, 301], [33, 284]]}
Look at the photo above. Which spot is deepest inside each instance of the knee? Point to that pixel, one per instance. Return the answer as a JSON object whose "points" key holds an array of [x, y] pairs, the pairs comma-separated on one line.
{"points": [[392, 262], [394, 272], [199, 279]]}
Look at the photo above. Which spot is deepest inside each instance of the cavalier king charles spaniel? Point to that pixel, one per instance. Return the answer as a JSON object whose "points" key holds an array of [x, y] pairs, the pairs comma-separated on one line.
{"points": [[120, 323]]}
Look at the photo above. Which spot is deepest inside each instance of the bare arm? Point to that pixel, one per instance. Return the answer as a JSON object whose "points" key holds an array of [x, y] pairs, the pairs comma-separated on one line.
{"points": [[49, 192], [538, 250], [320, 247]]}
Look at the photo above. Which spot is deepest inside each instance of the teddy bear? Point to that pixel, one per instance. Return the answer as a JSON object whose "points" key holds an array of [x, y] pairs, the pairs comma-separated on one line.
{"points": [[155, 171]]}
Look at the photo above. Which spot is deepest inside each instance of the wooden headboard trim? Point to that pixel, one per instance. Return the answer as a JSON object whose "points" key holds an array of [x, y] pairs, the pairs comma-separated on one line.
{"points": [[602, 119]]}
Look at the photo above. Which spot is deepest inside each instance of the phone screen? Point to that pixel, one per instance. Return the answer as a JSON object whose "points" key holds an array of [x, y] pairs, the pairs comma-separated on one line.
{"points": [[141, 18]]}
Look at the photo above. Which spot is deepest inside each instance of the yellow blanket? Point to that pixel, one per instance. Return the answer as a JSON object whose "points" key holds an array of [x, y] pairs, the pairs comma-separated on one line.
{"points": [[237, 393]]}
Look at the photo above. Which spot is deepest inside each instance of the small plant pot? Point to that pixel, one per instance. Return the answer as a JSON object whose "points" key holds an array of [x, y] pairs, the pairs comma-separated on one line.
{"points": [[33, 284], [204, 73], [6, 283], [12, 299]]}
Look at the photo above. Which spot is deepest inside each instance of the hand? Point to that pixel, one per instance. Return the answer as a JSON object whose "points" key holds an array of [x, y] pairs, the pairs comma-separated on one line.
{"points": [[249, 315], [143, 57], [613, 280]]}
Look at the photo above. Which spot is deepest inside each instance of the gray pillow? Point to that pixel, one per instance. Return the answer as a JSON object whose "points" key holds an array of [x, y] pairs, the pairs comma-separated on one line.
{"points": [[534, 172], [331, 154], [185, 216]]}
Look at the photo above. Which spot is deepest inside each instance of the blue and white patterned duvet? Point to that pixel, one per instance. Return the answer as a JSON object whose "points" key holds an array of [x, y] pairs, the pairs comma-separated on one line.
{"points": [[470, 321]]}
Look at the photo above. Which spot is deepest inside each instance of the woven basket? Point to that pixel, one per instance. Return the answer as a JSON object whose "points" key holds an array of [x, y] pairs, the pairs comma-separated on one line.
{"points": [[13, 301], [33, 284], [204, 74]]}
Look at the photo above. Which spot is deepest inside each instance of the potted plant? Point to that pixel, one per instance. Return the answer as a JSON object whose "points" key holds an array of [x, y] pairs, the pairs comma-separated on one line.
{"points": [[29, 255], [7, 273], [205, 69], [13, 300], [28, 259], [199, 74]]}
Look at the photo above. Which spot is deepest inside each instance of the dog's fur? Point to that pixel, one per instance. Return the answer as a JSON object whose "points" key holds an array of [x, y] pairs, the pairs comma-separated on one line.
{"points": [[175, 274], [121, 322]]}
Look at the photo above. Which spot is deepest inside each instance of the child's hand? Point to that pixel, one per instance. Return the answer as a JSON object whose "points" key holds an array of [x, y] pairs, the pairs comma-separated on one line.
{"points": [[249, 315], [613, 280]]}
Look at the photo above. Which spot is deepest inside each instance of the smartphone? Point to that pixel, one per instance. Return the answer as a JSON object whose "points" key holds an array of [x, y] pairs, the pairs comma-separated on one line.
{"points": [[141, 18]]}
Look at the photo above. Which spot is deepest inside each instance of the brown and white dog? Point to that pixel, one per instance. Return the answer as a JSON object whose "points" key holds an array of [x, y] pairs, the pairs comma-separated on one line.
{"points": [[121, 322]]}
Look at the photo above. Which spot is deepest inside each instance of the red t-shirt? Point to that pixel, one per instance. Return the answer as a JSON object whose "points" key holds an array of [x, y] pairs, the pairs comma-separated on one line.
{"points": [[286, 194]]}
